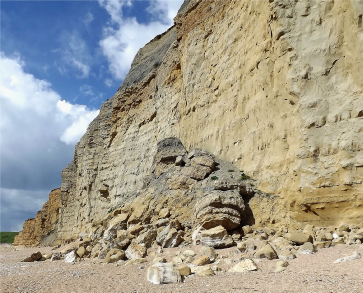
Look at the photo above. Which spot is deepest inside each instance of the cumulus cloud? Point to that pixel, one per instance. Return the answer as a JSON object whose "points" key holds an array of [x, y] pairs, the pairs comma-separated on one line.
{"points": [[38, 133], [124, 36]]}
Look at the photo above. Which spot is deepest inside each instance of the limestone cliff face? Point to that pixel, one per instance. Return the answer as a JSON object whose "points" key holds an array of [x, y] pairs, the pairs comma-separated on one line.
{"points": [[273, 87], [42, 229]]}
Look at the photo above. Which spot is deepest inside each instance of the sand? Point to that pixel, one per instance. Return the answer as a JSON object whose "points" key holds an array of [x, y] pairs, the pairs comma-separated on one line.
{"points": [[307, 273]]}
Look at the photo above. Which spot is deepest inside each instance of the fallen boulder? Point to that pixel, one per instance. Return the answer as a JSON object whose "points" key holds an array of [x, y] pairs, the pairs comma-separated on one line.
{"points": [[163, 273]]}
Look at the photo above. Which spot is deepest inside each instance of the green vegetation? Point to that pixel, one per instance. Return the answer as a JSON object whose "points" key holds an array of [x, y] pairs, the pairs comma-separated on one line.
{"points": [[244, 176], [230, 170], [7, 237], [214, 178]]}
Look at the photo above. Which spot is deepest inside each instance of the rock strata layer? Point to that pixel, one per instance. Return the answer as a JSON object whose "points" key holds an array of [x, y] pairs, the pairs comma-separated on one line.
{"points": [[43, 229]]}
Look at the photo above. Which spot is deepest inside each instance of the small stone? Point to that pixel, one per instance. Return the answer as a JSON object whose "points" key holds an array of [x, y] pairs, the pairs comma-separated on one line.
{"points": [[247, 229], [187, 253], [158, 259], [355, 255], [299, 238], [189, 259], [210, 252], [184, 270], [47, 256], [147, 238], [33, 257], [135, 251], [306, 248], [70, 257], [266, 252], [136, 261], [202, 261], [286, 255], [328, 236], [339, 240], [263, 236], [81, 251], [279, 269], [343, 227], [179, 161], [282, 263], [281, 266], [177, 260], [114, 255], [164, 213], [322, 244], [204, 271], [244, 266]]}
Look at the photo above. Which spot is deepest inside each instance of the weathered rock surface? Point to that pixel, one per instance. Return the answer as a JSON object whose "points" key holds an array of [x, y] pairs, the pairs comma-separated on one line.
{"points": [[33, 257], [216, 237], [266, 252], [42, 229]]}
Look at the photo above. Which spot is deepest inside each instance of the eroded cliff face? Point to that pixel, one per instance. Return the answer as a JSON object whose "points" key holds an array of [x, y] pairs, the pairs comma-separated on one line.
{"points": [[43, 228], [273, 87]]}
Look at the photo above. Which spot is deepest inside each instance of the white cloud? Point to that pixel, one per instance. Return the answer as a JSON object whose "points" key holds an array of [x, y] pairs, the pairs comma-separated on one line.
{"points": [[125, 36], [88, 18], [114, 8], [75, 54], [165, 10], [36, 124], [87, 90]]}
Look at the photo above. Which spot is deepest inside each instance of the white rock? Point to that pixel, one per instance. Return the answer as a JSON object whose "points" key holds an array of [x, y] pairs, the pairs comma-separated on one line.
{"points": [[353, 256], [163, 273], [244, 266], [70, 257]]}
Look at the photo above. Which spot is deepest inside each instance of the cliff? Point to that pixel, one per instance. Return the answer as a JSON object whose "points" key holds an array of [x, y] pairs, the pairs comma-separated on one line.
{"points": [[42, 229], [274, 88]]}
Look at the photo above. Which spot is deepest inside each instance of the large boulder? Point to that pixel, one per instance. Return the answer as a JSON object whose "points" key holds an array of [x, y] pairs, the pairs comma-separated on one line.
{"points": [[299, 237], [135, 251], [33, 257], [219, 208], [163, 273], [173, 238], [118, 223], [266, 252], [147, 238], [216, 237], [167, 152]]}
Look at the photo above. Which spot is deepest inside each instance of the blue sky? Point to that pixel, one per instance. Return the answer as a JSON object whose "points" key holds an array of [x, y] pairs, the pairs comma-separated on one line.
{"points": [[59, 61]]}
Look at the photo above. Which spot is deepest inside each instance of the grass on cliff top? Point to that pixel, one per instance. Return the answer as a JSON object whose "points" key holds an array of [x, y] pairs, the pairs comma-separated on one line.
{"points": [[7, 237]]}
